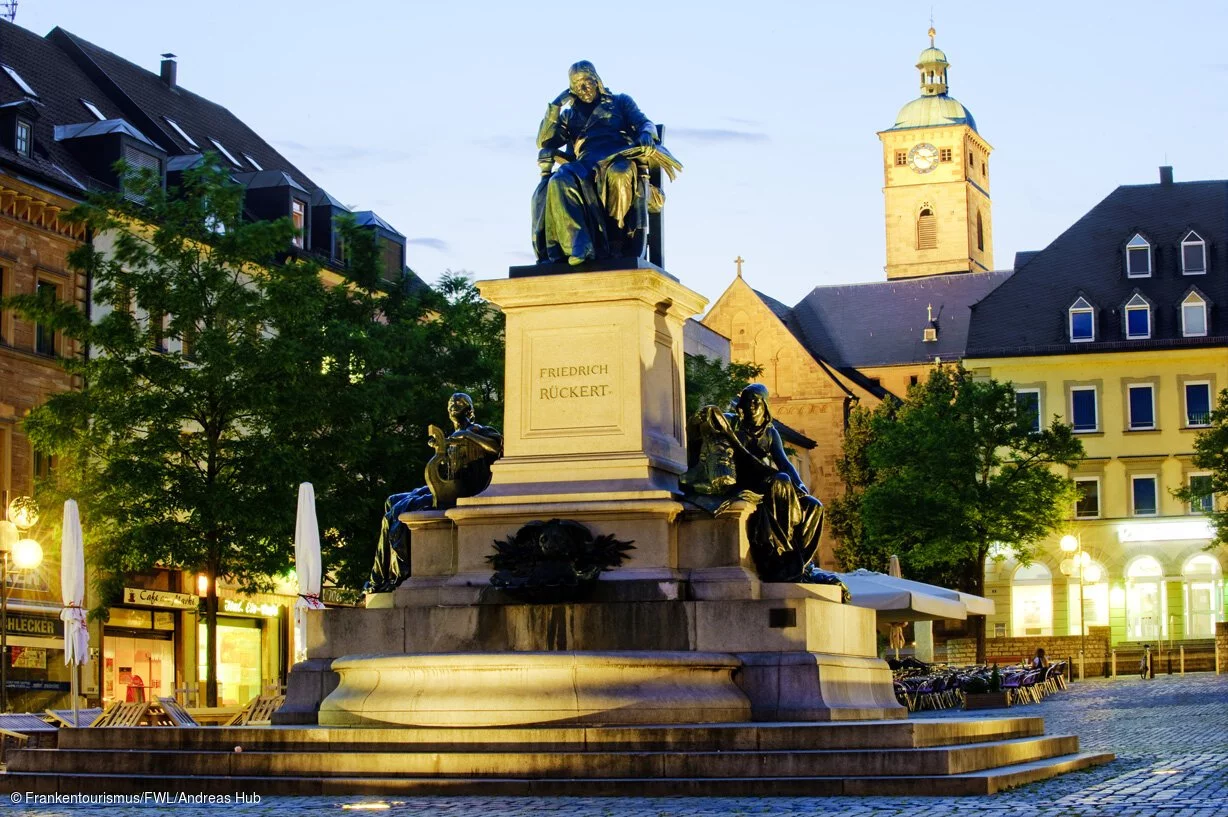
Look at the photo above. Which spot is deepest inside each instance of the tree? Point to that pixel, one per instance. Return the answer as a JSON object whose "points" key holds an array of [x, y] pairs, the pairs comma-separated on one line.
{"points": [[223, 371], [709, 382], [1211, 454], [844, 513], [952, 472]]}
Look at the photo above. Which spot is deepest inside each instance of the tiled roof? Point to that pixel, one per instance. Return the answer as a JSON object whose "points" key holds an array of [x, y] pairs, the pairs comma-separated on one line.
{"points": [[1028, 314], [882, 324]]}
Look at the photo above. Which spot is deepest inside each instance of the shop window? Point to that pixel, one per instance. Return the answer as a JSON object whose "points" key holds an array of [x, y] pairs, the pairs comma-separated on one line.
{"points": [[1203, 590], [1083, 411], [1198, 404], [1082, 321], [1202, 499], [1032, 601], [1193, 316], [1087, 505], [1027, 403], [1095, 604], [1144, 495], [238, 660], [1193, 254], [138, 665], [1146, 603], [1138, 257], [1142, 406]]}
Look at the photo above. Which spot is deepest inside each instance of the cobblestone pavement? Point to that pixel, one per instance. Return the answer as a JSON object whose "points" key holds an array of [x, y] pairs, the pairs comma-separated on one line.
{"points": [[1170, 736]]}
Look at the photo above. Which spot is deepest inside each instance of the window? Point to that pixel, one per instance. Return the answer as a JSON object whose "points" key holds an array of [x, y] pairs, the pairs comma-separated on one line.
{"points": [[944, 154], [44, 464], [1204, 595], [1083, 408], [1032, 600], [1082, 322], [1142, 406], [927, 230], [182, 133], [1087, 504], [93, 109], [23, 138], [253, 162], [298, 214], [1193, 316], [1027, 403], [1193, 254], [1138, 257], [901, 158], [1144, 495], [21, 83], [44, 336], [980, 232], [1146, 603], [1198, 404], [393, 257], [1202, 499], [225, 152], [1138, 318]]}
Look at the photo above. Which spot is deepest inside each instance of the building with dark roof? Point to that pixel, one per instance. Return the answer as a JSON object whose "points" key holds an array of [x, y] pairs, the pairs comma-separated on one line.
{"points": [[1118, 328], [69, 110]]}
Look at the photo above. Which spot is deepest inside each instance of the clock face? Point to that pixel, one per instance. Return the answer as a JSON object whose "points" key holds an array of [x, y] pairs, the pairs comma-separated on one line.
{"points": [[923, 157]]}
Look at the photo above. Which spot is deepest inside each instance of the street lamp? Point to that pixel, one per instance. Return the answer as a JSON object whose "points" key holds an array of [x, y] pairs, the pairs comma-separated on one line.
{"points": [[1073, 544], [24, 554]]}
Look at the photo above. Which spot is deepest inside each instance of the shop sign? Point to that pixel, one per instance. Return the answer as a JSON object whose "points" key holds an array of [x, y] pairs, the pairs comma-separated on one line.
{"points": [[18, 624], [160, 598], [247, 607], [340, 596], [40, 686]]}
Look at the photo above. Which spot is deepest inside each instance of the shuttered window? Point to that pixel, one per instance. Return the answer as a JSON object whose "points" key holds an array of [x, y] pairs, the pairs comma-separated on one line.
{"points": [[927, 230], [140, 161]]}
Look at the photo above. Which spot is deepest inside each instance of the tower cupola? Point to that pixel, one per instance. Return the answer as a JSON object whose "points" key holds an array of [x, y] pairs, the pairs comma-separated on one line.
{"points": [[933, 67]]}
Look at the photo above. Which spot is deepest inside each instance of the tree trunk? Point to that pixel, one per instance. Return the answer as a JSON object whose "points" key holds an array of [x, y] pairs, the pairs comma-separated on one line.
{"points": [[976, 580], [211, 638]]}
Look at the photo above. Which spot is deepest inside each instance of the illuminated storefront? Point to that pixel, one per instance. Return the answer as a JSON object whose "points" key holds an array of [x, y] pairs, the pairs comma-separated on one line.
{"points": [[140, 654], [251, 647]]}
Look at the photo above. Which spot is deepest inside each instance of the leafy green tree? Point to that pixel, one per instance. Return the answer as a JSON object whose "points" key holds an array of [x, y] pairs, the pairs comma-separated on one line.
{"points": [[954, 471], [844, 513], [1211, 454], [710, 382], [222, 371]]}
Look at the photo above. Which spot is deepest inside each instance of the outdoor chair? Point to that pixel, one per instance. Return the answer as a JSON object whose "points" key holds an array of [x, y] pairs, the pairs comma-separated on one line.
{"points": [[123, 713], [64, 717], [25, 730], [171, 713], [258, 712]]}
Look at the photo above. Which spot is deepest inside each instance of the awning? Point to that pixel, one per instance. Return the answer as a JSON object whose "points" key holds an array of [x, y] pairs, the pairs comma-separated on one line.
{"points": [[897, 599]]}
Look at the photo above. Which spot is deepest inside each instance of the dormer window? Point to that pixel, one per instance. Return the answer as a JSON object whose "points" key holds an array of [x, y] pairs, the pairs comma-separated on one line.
{"points": [[1193, 254], [1193, 316], [1138, 257], [1138, 318], [24, 138], [298, 215], [1082, 322], [225, 152]]}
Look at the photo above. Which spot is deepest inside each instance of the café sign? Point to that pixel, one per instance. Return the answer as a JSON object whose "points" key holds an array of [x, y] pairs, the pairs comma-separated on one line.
{"points": [[160, 598], [247, 607]]}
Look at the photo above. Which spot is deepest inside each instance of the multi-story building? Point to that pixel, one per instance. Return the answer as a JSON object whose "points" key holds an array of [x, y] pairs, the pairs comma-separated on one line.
{"points": [[69, 110], [1118, 328]]}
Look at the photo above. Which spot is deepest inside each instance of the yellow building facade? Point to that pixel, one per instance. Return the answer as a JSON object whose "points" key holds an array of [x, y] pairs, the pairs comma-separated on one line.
{"points": [[1147, 573]]}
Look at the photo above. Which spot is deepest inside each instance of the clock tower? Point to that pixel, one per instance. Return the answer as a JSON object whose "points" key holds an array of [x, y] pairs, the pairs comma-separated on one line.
{"points": [[936, 182]]}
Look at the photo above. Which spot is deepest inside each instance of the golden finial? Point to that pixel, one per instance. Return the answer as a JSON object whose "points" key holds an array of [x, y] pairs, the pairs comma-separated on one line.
{"points": [[932, 33], [929, 312], [739, 261]]}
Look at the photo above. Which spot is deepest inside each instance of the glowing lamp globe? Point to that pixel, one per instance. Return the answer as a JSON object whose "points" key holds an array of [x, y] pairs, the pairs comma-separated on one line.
{"points": [[27, 554], [1091, 574], [23, 512], [1069, 544]]}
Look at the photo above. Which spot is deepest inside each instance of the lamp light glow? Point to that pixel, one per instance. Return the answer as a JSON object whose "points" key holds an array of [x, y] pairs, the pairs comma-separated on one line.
{"points": [[202, 584], [1069, 544], [27, 554]]}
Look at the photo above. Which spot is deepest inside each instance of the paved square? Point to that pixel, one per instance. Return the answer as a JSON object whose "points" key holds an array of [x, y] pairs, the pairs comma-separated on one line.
{"points": [[1170, 736]]}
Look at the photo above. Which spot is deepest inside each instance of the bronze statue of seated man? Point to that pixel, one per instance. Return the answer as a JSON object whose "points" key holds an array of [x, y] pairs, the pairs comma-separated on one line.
{"points": [[459, 468]]}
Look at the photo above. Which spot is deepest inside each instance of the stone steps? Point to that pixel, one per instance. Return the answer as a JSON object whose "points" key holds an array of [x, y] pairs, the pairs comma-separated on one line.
{"points": [[940, 757], [968, 784]]}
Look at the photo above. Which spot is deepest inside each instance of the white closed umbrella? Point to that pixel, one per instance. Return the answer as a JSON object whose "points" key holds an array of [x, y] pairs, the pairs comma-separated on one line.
{"points": [[307, 566], [72, 587]]}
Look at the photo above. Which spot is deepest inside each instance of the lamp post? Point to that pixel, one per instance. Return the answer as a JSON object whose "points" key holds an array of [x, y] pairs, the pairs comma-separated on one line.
{"points": [[24, 554], [1074, 544]]}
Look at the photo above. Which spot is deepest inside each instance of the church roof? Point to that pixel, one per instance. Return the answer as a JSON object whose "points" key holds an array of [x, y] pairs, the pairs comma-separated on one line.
{"points": [[928, 111], [883, 323]]}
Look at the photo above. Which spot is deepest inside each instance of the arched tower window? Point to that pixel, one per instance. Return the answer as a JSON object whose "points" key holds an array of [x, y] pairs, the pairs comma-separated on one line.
{"points": [[927, 229], [980, 232]]}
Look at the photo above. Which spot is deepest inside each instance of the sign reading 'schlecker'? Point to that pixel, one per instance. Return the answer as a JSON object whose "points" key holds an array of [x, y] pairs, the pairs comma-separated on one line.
{"points": [[573, 380]]}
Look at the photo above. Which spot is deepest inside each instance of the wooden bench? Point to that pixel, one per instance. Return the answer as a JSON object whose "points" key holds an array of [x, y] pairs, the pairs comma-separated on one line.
{"points": [[258, 712], [170, 713], [123, 713]]}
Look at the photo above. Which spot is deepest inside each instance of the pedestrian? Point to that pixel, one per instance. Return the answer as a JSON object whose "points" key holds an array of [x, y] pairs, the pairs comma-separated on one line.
{"points": [[1039, 661], [1144, 663]]}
